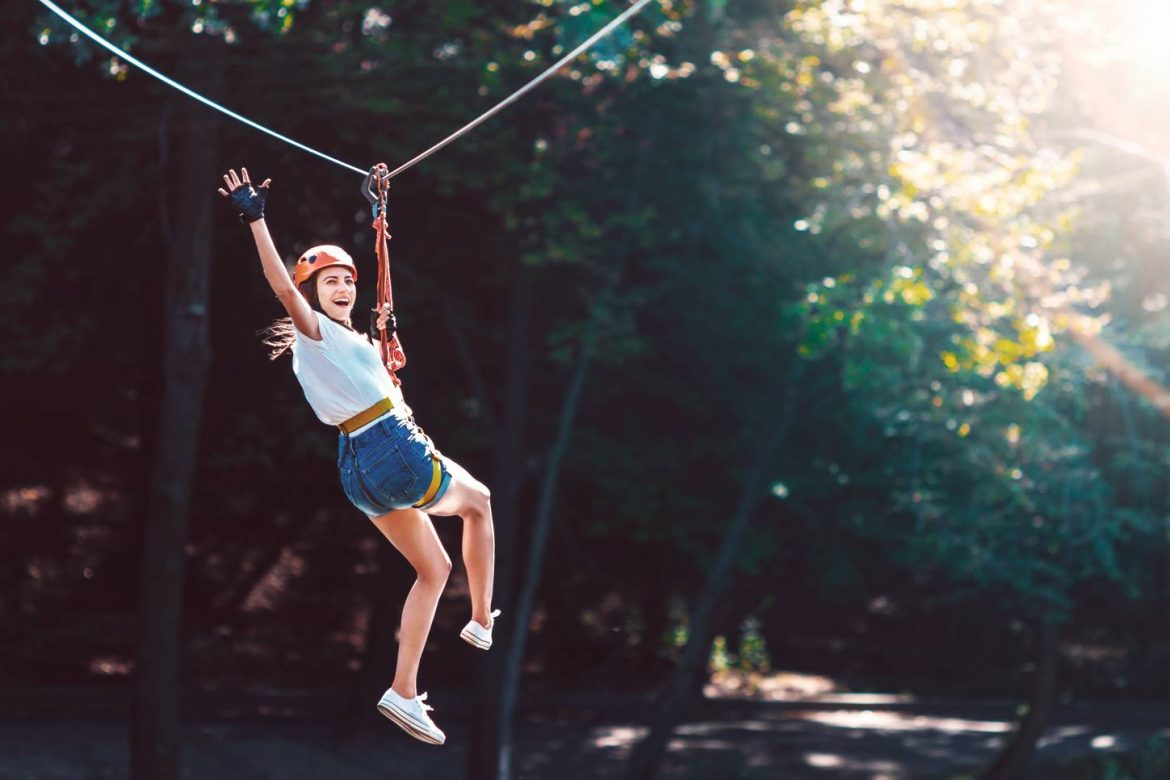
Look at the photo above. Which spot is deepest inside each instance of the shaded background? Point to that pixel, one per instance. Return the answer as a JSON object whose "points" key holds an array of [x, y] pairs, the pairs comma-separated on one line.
{"points": [[810, 350]]}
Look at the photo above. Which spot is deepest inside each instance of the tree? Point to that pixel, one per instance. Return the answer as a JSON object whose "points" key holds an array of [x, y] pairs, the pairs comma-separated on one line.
{"points": [[958, 340], [155, 740]]}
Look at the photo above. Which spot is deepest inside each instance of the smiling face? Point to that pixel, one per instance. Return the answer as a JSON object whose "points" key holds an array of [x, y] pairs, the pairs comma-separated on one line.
{"points": [[336, 292]]}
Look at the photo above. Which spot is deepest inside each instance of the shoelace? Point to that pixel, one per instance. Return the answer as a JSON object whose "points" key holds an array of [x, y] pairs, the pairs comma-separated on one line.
{"points": [[420, 699]]}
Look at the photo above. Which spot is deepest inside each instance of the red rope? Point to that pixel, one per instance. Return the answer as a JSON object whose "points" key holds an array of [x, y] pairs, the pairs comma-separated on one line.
{"points": [[392, 354]]}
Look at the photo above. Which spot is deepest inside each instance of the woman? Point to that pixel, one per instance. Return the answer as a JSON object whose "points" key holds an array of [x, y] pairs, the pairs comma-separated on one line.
{"points": [[389, 469]]}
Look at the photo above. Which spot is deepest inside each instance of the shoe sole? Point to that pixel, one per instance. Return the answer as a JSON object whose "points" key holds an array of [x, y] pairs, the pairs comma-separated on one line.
{"points": [[474, 641], [404, 722]]}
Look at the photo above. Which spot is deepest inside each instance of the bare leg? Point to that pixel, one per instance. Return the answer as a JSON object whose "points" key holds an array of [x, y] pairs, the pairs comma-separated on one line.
{"points": [[413, 534], [470, 500]]}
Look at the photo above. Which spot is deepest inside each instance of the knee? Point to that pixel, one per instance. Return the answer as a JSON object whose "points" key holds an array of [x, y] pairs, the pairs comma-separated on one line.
{"points": [[479, 508], [435, 572], [480, 495]]}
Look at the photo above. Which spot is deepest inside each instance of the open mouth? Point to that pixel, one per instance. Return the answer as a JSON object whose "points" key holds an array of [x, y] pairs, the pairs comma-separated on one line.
{"points": [[341, 301]]}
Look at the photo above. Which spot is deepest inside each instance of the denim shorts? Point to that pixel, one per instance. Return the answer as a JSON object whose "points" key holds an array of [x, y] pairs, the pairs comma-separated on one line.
{"points": [[390, 465]]}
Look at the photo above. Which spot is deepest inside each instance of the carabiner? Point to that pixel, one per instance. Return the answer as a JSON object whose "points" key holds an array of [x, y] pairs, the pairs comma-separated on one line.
{"points": [[379, 175]]}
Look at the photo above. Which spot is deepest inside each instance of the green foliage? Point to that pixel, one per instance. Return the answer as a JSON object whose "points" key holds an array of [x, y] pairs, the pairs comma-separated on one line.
{"points": [[947, 335], [752, 655]]}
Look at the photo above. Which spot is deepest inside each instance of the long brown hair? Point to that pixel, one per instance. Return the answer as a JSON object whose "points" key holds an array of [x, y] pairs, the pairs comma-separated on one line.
{"points": [[280, 335]]}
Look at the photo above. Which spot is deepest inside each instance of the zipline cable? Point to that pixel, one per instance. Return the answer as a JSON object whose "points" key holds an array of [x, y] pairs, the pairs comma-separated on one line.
{"points": [[604, 31], [189, 92], [408, 164]]}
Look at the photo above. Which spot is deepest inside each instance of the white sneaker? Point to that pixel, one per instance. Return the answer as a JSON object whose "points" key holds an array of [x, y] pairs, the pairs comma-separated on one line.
{"points": [[476, 635], [411, 716]]}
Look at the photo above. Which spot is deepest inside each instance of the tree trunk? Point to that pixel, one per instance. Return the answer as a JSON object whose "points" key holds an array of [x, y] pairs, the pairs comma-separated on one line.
{"points": [[1162, 572], [522, 611], [506, 666], [155, 747], [390, 581], [647, 755], [489, 755], [1012, 760]]}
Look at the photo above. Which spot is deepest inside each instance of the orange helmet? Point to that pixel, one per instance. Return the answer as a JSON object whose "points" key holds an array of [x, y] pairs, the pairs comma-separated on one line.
{"points": [[318, 257]]}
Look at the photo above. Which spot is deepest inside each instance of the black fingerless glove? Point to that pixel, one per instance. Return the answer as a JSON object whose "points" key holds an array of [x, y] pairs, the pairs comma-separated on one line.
{"points": [[391, 326], [249, 201]]}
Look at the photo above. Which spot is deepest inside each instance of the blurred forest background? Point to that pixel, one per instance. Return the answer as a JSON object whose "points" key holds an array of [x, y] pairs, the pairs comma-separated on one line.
{"points": [[805, 336]]}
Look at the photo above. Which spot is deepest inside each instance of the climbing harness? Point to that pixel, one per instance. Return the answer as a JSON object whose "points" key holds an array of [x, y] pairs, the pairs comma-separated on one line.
{"points": [[604, 31], [376, 188]]}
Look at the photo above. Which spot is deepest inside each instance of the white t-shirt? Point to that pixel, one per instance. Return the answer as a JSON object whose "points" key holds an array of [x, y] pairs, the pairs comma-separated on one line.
{"points": [[342, 374]]}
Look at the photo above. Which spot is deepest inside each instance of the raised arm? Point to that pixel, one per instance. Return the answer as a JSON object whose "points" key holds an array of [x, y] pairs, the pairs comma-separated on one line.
{"points": [[249, 200]]}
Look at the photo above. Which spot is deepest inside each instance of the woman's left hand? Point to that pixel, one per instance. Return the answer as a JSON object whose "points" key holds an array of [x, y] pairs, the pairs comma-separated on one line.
{"points": [[386, 320], [245, 196]]}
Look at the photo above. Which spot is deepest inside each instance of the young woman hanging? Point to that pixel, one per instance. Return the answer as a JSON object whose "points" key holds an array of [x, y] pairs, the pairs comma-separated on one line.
{"points": [[389, 468]]}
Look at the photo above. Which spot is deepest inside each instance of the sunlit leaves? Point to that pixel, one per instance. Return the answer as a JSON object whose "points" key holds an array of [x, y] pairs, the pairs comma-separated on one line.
{"points": [[950, 322], [936, 99]]}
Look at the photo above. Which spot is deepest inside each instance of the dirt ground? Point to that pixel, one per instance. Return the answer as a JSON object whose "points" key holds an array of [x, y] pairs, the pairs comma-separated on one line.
{"points": [[80, 734]]}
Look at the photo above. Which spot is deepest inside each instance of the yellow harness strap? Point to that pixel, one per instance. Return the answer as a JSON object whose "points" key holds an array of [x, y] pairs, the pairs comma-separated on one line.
{"points": [[366, 416], [436, 480]]}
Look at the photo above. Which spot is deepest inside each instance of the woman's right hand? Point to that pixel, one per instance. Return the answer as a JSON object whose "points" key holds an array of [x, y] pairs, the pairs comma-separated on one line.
{"points": [[386, 320], [247, 198]]}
